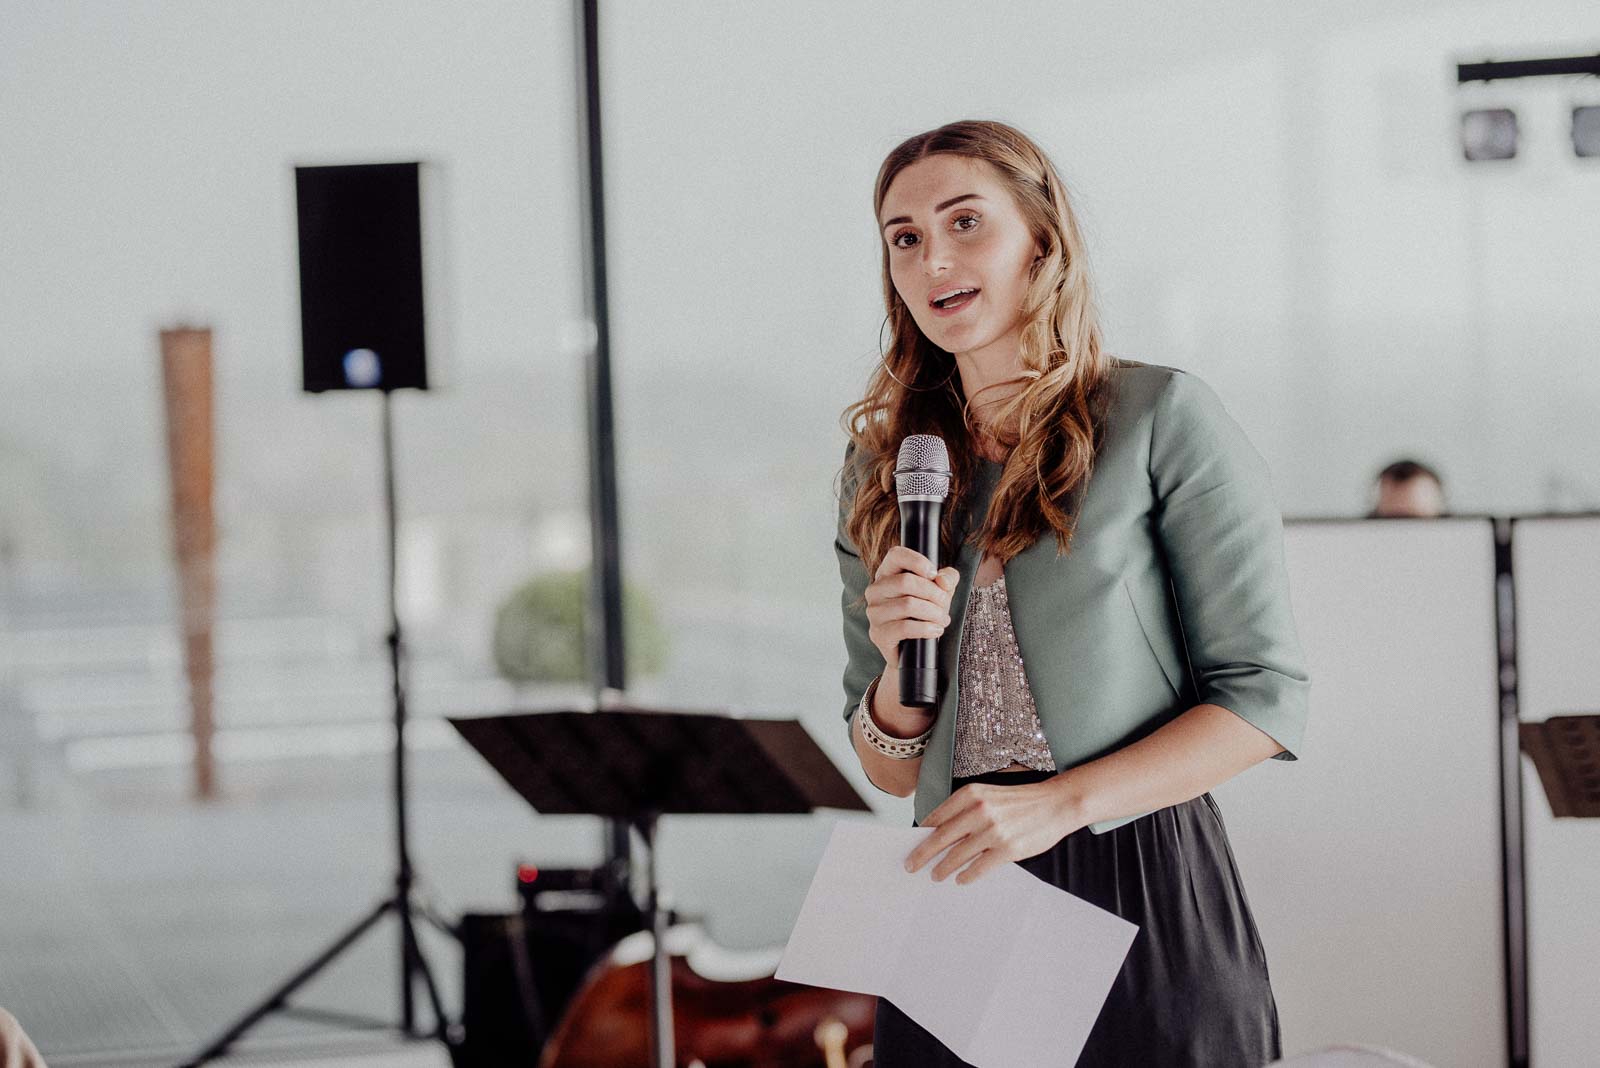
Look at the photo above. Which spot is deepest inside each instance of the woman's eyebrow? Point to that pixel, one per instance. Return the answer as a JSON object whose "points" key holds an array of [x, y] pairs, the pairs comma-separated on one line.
{"points": [[936, 209]]}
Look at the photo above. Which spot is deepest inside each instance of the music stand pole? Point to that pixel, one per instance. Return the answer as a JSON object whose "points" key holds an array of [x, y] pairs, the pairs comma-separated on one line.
{"points": [[412, 961], [663, 1044]]}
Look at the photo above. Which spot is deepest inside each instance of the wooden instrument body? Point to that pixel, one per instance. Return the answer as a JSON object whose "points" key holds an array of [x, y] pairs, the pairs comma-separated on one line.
{"points": [[762, 1022]]}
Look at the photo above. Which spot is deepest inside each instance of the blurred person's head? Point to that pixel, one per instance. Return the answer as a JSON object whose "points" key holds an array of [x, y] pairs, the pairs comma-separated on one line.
{"points": [[1031, 327], [1408, 489]]}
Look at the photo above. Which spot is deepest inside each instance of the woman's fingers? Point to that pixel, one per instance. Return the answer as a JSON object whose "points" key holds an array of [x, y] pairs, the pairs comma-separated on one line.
{"points": [[893, 622], [989, 861], [906, 583], [957, 856], [968, 817], [903, 602], [968, 834], [900, 558], [889, 636], [910, 607]]}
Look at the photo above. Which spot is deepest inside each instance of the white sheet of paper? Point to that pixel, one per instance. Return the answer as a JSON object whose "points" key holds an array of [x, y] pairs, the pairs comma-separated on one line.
{"points": [[1004, 971]]}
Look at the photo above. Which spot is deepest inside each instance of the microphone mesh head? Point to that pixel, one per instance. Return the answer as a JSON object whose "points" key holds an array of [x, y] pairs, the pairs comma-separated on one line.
{"points": [[923, 467]]}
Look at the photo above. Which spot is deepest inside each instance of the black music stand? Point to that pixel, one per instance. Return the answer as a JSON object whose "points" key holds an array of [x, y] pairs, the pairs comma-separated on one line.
{"points": [[1566, 753], [638, 764]]}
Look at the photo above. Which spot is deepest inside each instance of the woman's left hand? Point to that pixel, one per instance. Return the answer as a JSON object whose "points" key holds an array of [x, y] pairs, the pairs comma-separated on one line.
{"points": [[985, 825]]}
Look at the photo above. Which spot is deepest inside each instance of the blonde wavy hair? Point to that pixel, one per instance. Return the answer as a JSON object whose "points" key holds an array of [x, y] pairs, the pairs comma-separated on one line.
{"points": [[1051, 425]]}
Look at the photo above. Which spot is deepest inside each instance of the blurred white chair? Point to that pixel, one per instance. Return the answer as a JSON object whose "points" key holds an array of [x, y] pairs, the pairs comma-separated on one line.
{"points": [[1350, 1056]]}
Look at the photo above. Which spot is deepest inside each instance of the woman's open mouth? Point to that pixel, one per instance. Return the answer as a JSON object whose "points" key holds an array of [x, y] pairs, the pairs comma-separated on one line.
{"points": [[952, 304]]}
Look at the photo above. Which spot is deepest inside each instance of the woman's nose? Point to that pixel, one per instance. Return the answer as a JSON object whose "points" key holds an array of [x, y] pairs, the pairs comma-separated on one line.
{"points": [[936, 253]]}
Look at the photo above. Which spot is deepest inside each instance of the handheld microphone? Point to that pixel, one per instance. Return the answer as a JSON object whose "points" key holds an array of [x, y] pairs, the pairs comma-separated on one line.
{"points": [[921, 483]]}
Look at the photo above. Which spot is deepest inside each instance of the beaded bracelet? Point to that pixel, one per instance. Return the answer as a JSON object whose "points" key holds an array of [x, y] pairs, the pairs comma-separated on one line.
{"points": [[898, 748]]}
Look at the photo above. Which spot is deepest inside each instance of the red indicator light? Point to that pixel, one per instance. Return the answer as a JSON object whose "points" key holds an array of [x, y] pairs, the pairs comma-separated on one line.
{"points": [[527, 873]]}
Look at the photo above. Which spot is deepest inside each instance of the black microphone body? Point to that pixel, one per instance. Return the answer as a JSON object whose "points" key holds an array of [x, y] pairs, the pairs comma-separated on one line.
{"points": [[921, 483], [919, 657]]}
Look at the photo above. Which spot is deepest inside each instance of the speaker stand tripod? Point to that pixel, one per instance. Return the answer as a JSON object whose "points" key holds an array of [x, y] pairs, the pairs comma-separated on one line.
{"points": [[413, 964]]}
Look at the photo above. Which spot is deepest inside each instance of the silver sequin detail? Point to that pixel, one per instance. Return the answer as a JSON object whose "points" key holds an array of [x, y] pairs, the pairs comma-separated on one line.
{"points": [[997, 723]]}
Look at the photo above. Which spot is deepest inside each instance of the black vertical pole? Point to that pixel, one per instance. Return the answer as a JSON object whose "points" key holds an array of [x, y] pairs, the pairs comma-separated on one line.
{"points": [[604, 619], [402, 851], [1514, 897], [663, 1044]]}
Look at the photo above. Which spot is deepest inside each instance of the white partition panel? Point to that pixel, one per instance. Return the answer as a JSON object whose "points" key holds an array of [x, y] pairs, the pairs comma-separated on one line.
{"points": [[1372, 864], [1557, 567]]}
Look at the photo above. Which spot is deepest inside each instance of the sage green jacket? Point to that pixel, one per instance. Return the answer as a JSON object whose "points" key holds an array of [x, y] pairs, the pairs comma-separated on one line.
{"points": [[1174, 592]]}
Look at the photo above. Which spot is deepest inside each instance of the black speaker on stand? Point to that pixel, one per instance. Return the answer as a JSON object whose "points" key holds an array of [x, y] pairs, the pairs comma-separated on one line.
{"points": [[362, 327]]}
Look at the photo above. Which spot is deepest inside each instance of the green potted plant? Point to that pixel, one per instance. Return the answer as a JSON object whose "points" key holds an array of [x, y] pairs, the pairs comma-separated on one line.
{"points": [[539, 636]]}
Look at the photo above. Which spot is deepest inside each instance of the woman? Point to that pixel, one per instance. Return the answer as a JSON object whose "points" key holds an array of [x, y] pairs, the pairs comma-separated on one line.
{"points": [[1112, 647]]}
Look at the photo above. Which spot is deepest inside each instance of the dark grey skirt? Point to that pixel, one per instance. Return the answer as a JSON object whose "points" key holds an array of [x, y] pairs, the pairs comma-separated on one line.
{"points": [[1193, 990]]}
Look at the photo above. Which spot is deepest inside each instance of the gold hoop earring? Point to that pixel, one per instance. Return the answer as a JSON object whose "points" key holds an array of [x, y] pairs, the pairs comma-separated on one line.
{"points": [[918, 389], [890, 372]]}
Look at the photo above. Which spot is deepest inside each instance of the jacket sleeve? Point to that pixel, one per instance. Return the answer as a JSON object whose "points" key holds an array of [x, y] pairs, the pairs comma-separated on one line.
{"points": [[1221, 532], [864, 663]]}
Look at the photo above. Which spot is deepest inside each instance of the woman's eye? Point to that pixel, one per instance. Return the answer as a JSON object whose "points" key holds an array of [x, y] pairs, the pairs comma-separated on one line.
{"points": [[957, 219]]}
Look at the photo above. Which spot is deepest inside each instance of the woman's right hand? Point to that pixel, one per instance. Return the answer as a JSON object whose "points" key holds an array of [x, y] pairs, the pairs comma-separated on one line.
{"points": [[903, 601]]}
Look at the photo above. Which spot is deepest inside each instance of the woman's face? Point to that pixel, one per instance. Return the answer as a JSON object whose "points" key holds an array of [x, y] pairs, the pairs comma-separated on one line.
{"points": [[941, 239]]}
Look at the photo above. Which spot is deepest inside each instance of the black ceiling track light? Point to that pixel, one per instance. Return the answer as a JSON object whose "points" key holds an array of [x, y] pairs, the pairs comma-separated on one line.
{"points": [[1491, 133]]}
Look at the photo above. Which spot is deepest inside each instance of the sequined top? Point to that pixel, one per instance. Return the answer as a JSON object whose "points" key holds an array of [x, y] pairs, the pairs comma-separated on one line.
{"points": [[996, 721]]}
